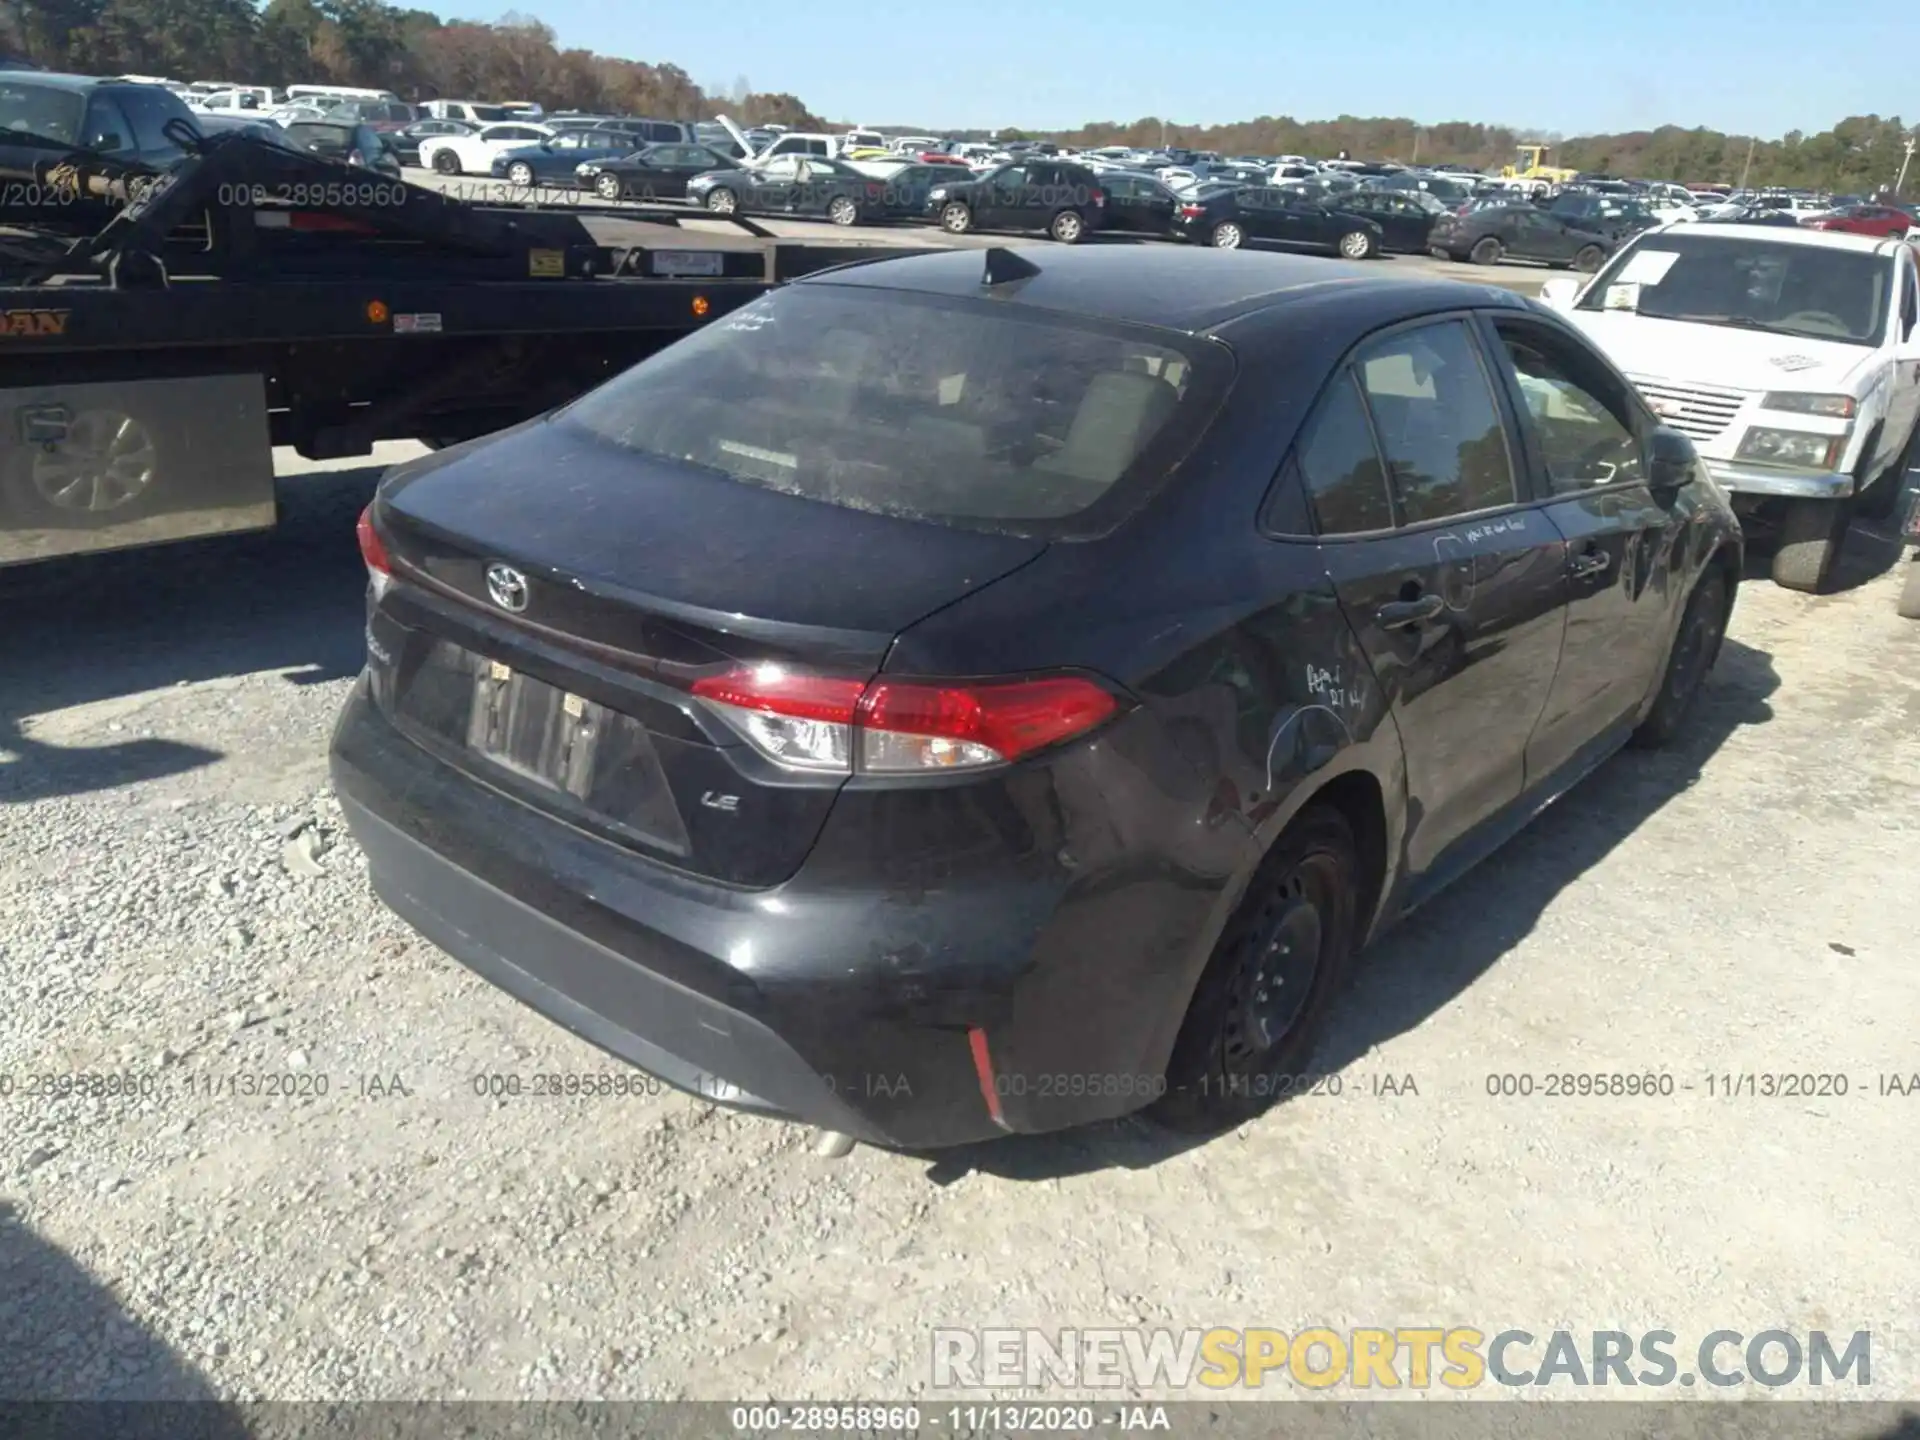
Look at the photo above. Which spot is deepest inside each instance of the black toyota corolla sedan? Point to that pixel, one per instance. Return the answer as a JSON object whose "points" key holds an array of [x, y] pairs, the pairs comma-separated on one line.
{"points": [[970, 693]]}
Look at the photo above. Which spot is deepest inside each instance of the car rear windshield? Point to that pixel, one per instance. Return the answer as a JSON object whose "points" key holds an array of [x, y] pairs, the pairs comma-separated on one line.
{"points": [[43, 110], [1815, 291], [970, 413], [322, 138]]}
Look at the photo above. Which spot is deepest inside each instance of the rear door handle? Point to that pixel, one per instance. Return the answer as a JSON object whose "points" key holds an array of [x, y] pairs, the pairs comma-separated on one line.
{"points": [[1408, 614], [1592, 562]]}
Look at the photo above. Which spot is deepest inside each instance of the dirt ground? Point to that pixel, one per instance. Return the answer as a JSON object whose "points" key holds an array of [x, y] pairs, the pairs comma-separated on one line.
{"points": [[179, 903]]}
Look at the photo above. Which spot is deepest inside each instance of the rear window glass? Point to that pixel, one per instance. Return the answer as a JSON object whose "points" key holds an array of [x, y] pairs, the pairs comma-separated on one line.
{"points": [[43, 110], [965, 412]]}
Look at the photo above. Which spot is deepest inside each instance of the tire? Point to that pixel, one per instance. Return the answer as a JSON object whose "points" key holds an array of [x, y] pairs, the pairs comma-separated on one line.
{"points": [[956, 217], [1302, 912], [445, 162], [607, 187], [520, 175], [842, 211], [1069, 227], [1811, 535], [722, 201], [1228, 235], [111, 468], [1589, 259], [1696, 644], [1357, 245], [1486, 251], [1910, 593]]}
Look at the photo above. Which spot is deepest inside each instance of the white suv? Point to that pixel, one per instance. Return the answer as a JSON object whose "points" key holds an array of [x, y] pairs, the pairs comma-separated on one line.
{"points": [[1789, 356]]}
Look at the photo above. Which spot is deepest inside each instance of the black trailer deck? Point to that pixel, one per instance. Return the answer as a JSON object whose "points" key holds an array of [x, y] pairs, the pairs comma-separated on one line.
{"points": [[159, 334]]}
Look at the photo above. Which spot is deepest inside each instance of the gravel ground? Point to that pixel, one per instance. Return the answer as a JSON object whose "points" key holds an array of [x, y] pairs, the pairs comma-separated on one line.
{"points": [[179, 903]]}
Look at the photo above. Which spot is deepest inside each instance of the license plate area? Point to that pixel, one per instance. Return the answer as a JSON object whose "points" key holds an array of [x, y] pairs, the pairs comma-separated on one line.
{"points": [[587, 762], [538, 731]]}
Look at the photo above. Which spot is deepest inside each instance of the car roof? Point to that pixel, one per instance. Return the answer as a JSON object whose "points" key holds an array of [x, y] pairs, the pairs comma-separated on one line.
{"points": [[1824, 239], [55, 80], [1172, 288]]}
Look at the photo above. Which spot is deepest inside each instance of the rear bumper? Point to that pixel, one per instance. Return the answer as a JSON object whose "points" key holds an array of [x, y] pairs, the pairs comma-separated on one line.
{"points": [[818, 1001], [1790, 484]]}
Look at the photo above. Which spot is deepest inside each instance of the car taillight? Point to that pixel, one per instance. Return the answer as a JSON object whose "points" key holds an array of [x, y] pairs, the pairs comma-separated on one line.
{"points": [[374, 551], [900, 727], [1098, 196], [1193, 212], [873, 192], [354, 157]]}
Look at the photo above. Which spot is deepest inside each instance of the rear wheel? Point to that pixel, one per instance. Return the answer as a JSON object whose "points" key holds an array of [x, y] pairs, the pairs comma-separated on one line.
{"points": [[1486, 251], [722, 201], [1590, 259], [1068, 228], [1695, 644], [956, 218], [1261, 1003], [106, 470], [1811, 535], [1910, 593], [842, 211], [1228, 236], [445, 162]]}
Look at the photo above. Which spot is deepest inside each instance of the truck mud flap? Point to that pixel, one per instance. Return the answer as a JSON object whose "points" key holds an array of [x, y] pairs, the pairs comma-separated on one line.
{"points": [[136, 462]]}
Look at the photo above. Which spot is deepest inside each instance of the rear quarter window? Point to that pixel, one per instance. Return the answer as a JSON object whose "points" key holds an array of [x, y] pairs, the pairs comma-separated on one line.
{"points": [[951, 411]]}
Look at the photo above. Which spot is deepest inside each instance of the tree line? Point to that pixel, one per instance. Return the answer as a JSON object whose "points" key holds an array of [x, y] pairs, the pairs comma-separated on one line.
{"points": [[419, 56], [1860, 154], [413, 53]]}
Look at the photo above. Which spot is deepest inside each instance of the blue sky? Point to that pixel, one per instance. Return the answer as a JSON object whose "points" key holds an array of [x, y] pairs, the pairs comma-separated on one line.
{"points": [[1581, 66]]}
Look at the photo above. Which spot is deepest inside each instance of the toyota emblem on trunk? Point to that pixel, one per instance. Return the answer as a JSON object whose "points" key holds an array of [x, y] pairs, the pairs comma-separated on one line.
{"points": [[508, 587]]}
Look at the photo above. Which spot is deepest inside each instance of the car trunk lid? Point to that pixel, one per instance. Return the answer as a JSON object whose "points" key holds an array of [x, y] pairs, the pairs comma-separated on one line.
{"points": [[564, 595]]}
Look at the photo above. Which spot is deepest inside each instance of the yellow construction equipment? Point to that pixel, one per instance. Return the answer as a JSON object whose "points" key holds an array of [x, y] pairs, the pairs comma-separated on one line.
{"points": [[1530, 163]]}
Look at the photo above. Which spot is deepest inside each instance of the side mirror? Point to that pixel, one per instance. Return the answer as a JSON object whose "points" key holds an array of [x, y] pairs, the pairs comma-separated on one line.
{"points": [[1670, 460], [1560, 293]]}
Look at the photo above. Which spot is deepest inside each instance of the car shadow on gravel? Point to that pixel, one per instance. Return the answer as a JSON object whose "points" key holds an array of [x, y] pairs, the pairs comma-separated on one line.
{"points": [[1422, 966], [66, 1343], [109, 626]]}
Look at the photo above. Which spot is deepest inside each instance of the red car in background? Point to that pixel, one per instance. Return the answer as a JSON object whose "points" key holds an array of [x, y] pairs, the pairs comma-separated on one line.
{"points": [[1885, 221]]}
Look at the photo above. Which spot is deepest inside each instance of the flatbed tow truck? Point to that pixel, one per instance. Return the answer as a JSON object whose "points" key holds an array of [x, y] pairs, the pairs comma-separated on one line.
{"points": [[160, 333]]}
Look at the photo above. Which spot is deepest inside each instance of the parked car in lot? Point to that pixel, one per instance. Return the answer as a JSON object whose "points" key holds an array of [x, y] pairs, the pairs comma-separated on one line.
{"points": [[355, 144], [405, 142], [655, 172], [1130, 636], [1228, 217], [1055, 197], [1521, 231], [906, 184], [1791, 358], [1139, 204], [473, 153], [801, 185], [557, 159], [1405, 217], [1881, 220], [383, 117]]}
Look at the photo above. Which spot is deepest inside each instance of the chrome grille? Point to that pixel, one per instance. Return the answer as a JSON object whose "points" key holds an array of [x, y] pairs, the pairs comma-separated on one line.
{"points": [[1697, 411]]}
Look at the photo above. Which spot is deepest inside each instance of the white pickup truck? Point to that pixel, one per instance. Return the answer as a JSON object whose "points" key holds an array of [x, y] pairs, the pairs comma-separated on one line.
{"points": [[1790, 357]]}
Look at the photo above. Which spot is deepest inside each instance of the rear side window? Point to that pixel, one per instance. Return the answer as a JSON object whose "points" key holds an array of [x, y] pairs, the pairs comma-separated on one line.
{"points": [[1341, 468], [961, 412], [43, 110], [1439, 426]]}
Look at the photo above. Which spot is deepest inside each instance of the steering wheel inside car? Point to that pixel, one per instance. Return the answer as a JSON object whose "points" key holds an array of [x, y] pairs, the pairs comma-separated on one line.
{"points": [[1818, 320]]}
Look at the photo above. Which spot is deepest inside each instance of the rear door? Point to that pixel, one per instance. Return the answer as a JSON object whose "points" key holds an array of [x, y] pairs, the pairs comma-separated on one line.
{"points": [[1538, 235], [1585, 446], [1459, 602]]}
